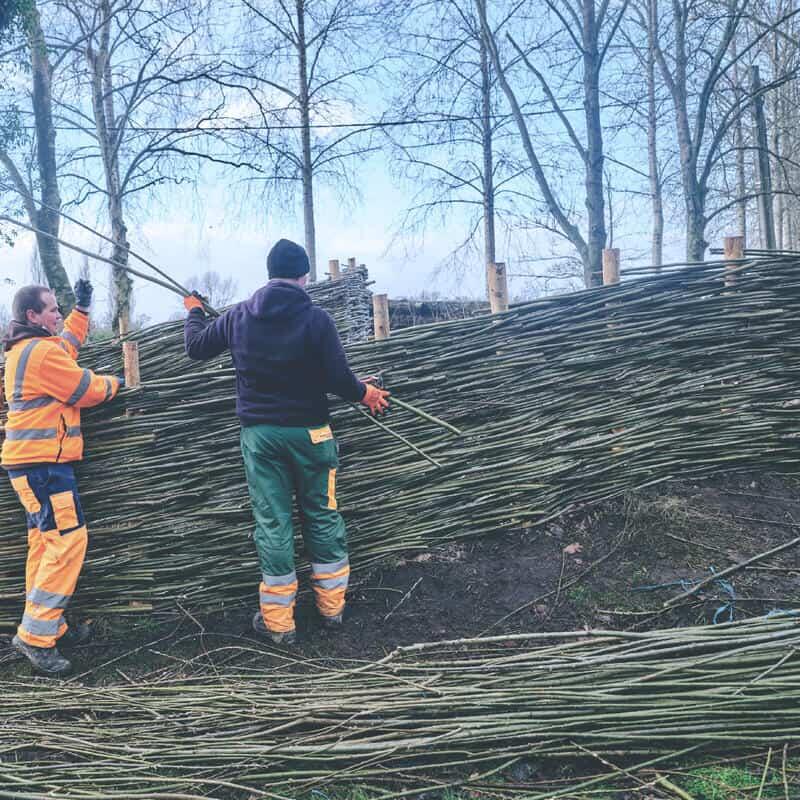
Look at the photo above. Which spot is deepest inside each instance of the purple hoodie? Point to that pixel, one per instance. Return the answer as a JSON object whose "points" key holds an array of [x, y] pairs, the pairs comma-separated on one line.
{"points": [[287, 355]]}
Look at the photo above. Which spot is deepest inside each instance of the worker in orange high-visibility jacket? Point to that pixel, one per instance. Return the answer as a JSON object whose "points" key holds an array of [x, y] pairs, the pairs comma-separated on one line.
{"points": [[45, 390]]}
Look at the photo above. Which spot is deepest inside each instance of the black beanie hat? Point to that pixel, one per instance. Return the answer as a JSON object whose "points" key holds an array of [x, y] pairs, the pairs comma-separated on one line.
{"points": [[287, 260]]}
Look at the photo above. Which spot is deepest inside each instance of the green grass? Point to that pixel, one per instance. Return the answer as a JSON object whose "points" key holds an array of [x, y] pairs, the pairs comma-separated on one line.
{"points": [[720, 783], [733, 783]]}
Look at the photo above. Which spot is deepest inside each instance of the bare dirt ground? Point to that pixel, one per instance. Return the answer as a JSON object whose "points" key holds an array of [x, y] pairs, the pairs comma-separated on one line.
{"points": [[611, 565]]}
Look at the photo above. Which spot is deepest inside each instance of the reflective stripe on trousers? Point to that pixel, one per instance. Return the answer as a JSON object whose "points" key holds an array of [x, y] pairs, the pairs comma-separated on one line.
{"points": [[51, 573], [277, 595], [330, 586]]}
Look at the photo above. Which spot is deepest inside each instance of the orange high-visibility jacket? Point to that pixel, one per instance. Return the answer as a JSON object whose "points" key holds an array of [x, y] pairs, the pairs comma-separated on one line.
{"points": [[45, 389]]}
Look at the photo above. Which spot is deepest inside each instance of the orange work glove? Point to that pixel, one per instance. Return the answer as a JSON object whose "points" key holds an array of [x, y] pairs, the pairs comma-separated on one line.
{"points": [[375, 399], [193, 301]]}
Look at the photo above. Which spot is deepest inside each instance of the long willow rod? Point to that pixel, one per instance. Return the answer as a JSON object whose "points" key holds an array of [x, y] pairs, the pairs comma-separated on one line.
{"points": [[397, 435], [102, 236], [424, 415], [173, 287]]}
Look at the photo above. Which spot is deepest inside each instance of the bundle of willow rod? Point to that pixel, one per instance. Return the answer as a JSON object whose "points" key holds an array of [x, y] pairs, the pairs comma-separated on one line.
{"points": [[562, 401], [422, 716]]}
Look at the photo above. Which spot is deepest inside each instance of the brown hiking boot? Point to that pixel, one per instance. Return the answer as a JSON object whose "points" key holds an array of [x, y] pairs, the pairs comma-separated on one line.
{"points": [[277, 637], [46, 660]]}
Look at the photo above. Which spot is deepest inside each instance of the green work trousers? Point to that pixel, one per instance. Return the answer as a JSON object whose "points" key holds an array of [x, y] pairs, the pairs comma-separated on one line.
{"points": [[283, 462]]}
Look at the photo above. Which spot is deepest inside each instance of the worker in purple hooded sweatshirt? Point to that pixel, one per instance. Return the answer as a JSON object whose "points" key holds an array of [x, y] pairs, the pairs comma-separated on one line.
{"points": [[288, 358]]}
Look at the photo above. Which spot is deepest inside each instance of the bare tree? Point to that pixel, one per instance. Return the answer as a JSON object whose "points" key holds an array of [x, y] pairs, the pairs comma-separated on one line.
{"points": [[588, 29], [780, 56], [299, 82], [136, 66], [643, 94], [218, 290], [695, 49], [44, 213], [451, 146]]}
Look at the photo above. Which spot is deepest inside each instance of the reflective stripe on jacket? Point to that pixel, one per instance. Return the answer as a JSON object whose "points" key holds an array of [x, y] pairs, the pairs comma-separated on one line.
{"points": [[45, 390]]}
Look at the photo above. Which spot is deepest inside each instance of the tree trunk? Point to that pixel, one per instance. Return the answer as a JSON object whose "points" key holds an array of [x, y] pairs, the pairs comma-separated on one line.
{"points": [[778, 183], [765, 218], [46, 217], [595, 205], [489, 246], [657, 200], [562, 221], [696, 243], [307, 169], [106, 127], [123, 285], [693, 192], [738, 141]]}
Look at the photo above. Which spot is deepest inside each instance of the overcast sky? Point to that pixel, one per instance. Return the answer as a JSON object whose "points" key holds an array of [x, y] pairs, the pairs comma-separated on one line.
{"points": [[212, 234]]}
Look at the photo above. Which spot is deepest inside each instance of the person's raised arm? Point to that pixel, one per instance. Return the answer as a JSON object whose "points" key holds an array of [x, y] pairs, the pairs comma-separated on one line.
{"points": [[76, 386], [203, 338]]}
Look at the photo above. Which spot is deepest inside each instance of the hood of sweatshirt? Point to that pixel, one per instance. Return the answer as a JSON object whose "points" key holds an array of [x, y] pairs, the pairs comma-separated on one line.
{"points": [[278, 301], [18, 331]]}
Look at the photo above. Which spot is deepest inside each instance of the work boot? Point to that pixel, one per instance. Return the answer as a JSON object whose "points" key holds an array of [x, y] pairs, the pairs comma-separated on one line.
{"points": [[277, 637], [45, 659], [78, 633], [333, 622]]}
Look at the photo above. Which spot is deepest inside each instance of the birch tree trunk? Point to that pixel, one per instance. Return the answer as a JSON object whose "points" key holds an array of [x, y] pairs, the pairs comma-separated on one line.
{"points": [[307, 169], [657, 200], [108, 140], [595, 205], [46, 218], [489, 246]]}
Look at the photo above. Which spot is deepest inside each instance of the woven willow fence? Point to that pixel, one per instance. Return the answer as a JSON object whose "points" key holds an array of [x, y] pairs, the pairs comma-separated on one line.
{"points": [[420, 718], [562, 401]]}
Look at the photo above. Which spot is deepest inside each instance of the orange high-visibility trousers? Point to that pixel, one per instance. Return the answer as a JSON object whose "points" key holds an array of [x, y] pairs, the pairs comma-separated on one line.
{"points": [[57, 541]]}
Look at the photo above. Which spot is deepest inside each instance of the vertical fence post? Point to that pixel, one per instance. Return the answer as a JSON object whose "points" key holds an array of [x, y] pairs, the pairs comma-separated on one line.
{"points": [[333, 269], [610, 266], [380, 316], [498, 287], [733, 248], [130, 358], [611, 259], [351, 262]]}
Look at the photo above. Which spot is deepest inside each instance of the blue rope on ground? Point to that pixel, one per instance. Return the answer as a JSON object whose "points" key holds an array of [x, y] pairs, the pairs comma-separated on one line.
{"points": [[686, 584], [782, 612]]}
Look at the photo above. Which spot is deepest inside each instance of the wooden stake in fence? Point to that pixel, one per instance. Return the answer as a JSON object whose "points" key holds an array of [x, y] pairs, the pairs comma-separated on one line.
{"points": [[130, 358], [733, 248], [380, 316], [610, 266], [351, 263], [611, 261], [333, 269], [498, 287]]}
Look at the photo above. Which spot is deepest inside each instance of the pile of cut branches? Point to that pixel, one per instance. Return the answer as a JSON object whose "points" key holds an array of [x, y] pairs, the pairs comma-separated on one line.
{"points": [[424, 717]]}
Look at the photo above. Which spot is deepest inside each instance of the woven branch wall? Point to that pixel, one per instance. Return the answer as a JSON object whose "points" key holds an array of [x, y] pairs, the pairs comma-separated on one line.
{"points": [[562, 401]]}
